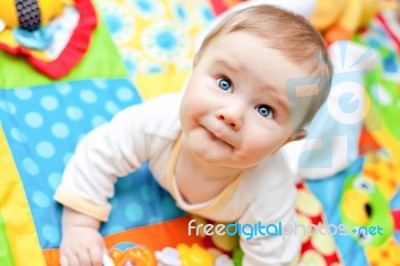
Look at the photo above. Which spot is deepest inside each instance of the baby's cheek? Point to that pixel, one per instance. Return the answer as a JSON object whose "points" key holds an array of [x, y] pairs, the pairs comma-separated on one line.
{"points": [[266, 144], [258, 148]]}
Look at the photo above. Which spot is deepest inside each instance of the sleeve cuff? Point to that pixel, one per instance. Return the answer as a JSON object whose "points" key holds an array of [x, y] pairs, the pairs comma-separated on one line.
{"points": [[71, 200]]}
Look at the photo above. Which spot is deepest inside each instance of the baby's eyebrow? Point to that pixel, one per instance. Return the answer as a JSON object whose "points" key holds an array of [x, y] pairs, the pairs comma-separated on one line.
{"points": [[232, 66]]}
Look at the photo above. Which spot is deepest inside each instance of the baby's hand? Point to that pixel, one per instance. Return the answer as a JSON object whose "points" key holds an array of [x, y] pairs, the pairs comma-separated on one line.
{"points": [[81, 246]]}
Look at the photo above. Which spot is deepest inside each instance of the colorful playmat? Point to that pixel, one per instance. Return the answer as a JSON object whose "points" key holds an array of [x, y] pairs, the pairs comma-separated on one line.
{"points": [[140, 49]]}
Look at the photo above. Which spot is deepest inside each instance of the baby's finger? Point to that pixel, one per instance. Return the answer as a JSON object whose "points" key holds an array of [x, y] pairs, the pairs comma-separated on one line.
{"points": [[96, 255], [84, 258], [64, 261], [71, 260]]}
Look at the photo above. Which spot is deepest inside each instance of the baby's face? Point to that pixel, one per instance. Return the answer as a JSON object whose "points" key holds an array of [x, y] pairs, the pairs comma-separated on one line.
{"points": [[235, 108]]}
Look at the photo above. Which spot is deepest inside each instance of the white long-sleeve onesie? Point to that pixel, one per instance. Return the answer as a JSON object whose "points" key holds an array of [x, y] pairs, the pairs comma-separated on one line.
{"points": [[150, 131]]}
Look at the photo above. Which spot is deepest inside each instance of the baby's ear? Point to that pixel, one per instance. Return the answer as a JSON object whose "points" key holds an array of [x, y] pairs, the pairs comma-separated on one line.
{"points": [[196, 59], [301, 134]]}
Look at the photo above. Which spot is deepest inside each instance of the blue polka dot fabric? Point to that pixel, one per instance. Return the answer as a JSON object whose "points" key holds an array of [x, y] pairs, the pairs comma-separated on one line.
{"points": [[43, 125]]}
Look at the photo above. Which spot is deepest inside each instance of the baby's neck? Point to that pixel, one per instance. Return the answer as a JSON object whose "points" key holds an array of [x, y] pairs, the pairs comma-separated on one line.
{"points": [[198, 181]]}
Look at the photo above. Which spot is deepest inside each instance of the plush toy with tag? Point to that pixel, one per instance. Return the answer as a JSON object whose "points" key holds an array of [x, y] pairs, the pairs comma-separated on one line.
{"points": [[52, 34], [28, 19], [29, 14]]}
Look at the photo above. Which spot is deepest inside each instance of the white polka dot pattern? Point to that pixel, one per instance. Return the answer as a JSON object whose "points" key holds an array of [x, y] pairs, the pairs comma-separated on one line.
{"points": [[43, 125]]}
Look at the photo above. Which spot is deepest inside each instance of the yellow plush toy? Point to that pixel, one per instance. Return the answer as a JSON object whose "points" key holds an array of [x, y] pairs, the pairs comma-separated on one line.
{"points": [[29, 14], [340, 19]]}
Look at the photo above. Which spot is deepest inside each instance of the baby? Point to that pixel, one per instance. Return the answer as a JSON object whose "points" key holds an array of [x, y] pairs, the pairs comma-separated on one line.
{"points": [[216, 147]]}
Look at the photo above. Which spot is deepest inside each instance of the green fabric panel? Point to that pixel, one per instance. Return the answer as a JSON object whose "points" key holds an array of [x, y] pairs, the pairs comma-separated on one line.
{"points": [[388, 112], [101, 60], [6, 256]]}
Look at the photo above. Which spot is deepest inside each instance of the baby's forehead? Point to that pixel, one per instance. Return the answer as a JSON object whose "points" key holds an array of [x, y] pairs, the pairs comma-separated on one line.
{"points": [[261, 41]]}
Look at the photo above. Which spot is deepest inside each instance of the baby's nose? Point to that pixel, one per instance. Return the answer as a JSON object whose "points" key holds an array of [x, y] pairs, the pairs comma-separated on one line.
{"points": [[230, 117]]}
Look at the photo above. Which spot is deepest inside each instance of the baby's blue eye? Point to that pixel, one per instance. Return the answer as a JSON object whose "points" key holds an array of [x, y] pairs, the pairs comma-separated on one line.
{"points": [[264, 110], [224, 84]]}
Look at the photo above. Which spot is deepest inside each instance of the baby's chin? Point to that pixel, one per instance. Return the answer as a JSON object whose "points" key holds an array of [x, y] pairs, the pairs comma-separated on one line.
{"points": [[221, 158]]}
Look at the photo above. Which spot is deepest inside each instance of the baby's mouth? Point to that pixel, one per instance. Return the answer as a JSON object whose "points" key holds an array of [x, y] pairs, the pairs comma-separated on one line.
{"points": [[219, 137]]}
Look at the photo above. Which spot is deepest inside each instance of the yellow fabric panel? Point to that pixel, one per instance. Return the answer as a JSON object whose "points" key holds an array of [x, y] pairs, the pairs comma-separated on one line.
{"points": [[140, 37], [16, 211], [152, 85]]}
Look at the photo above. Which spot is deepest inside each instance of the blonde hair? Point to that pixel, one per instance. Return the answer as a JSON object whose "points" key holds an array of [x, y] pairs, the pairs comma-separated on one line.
{"points": [[288, 33]]}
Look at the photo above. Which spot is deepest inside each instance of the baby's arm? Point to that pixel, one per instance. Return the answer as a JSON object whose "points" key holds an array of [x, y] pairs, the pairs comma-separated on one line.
{"points": [[82, 243], [271, 202], [279, 250], [111, 150], [88, 182]]}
